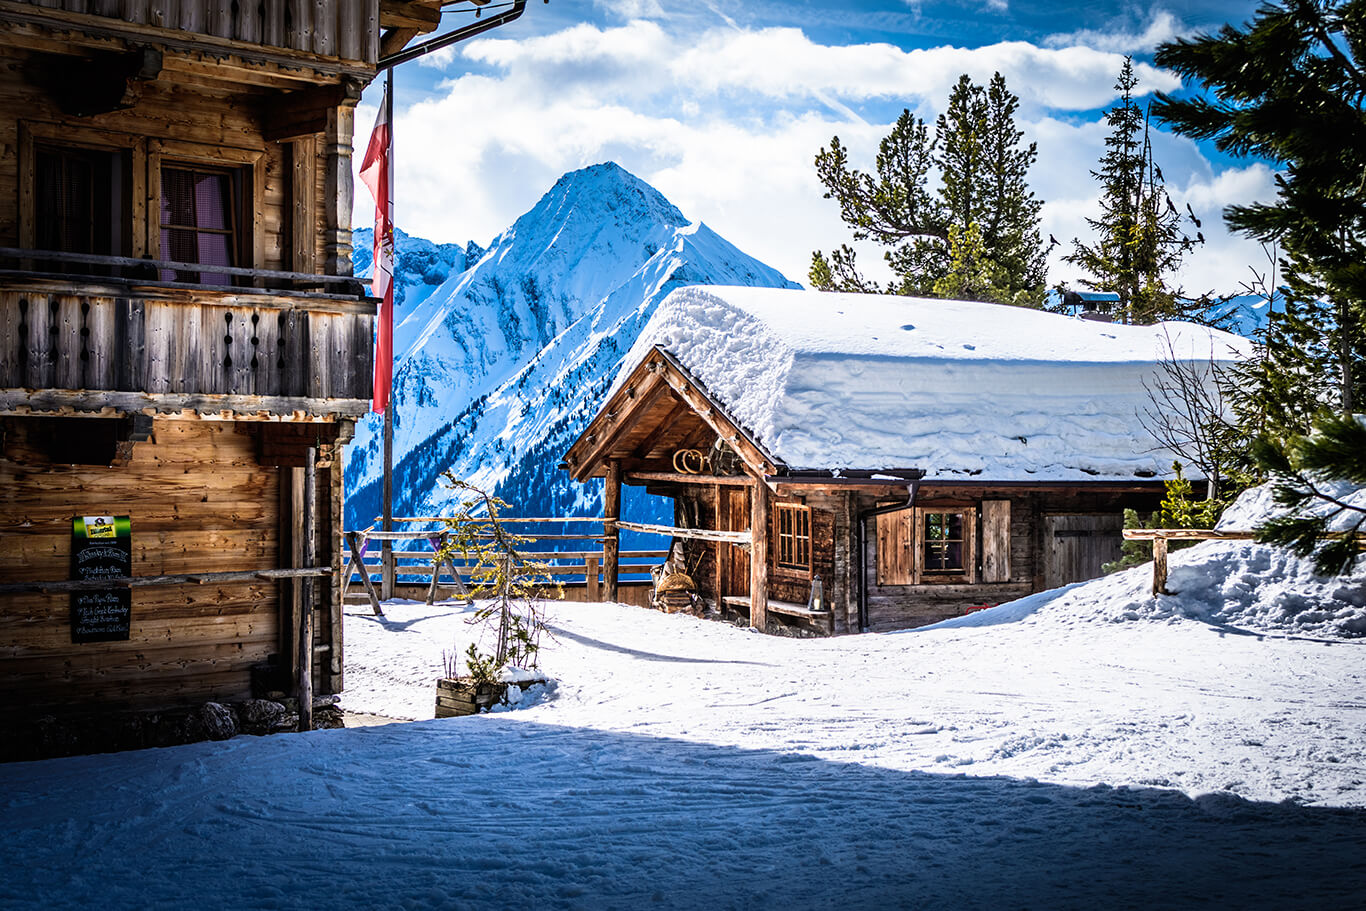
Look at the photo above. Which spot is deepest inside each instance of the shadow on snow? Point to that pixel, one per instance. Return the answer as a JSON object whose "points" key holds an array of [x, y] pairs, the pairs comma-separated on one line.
{"points": [[496, 812]]}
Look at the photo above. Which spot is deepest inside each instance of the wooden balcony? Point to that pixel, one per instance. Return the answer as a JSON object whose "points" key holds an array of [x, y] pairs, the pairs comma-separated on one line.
{"points": [[301, 348], [346, 30]]}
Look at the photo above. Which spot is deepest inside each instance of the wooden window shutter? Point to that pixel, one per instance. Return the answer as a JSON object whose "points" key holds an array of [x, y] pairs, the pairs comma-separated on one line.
{"points": [[895, 555], [995, 540]]}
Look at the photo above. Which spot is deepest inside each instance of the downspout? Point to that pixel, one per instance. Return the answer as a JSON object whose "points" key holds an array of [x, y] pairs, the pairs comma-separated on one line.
{"points": [[863, 518], [460, 34]]}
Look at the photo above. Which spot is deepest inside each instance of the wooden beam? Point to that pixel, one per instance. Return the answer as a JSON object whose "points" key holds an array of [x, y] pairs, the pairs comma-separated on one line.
{"points": [[395, 40], [673, 477], [304, 689], [718, 552], [291, 115], [611, 546], [644, 447], [1160, 566], [619, 413], [590, 573], [235, 407], [710, 411], [696, 534], [358, 558], [758, 556], [414, 14], [232, 59]]}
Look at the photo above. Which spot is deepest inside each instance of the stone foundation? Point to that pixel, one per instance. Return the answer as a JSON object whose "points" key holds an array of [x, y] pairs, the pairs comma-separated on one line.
{"points": [[77, 734]]}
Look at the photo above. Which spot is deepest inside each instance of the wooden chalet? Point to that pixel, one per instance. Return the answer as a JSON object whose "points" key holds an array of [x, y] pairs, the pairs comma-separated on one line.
{"points": [[919, 458], [181, 341]]}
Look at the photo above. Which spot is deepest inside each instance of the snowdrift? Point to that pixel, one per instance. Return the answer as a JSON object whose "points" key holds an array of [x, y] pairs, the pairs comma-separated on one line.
{"points": [[1240, 585]]}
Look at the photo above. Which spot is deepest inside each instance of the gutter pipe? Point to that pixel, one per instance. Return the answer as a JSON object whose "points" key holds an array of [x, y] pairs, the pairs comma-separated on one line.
{"points": [[460, 34], [863, 518]]}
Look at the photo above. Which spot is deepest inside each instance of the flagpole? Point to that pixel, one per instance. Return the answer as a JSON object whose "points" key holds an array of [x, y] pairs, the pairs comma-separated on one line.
{"points": [[387, 551]]}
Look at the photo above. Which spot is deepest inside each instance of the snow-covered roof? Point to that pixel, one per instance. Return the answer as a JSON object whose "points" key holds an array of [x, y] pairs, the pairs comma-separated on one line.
{"points": [[961, 389]]}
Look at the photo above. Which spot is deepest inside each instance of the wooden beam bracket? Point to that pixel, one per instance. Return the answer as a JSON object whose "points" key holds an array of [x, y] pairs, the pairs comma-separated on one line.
{"points": [[293, 115], [103, 82]]}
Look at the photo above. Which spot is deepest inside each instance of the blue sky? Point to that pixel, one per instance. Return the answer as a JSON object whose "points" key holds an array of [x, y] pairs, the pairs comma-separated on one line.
{"points": [[723, 106]]}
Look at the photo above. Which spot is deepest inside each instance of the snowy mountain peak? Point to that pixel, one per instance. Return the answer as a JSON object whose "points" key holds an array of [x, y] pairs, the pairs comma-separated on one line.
{"points": [[602, 193], [502, 363]]}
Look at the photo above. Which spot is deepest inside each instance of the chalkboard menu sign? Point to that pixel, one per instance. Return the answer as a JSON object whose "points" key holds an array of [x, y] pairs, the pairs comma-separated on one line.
{"points": [[101, 548]]}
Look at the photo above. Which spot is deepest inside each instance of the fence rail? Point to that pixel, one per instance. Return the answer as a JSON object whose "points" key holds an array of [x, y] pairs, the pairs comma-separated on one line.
{"points": [[420, 566], [1160, 537]]}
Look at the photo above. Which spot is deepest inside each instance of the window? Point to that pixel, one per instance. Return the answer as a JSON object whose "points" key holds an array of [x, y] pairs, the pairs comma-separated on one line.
{"points": [[941, 536], [81, 201], [793, 526], [928, 544], [198, 221]]}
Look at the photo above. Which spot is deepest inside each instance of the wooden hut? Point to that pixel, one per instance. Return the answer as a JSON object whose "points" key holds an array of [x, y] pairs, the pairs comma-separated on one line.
{"points": [[920, 458], [181, 344]]}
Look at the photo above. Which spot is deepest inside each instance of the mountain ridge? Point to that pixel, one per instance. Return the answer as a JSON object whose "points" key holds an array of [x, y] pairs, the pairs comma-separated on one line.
{"points": [[513, 352]]}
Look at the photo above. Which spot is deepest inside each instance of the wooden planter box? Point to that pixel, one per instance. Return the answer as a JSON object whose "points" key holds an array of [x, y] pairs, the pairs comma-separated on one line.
{"points": [[456, 696]]}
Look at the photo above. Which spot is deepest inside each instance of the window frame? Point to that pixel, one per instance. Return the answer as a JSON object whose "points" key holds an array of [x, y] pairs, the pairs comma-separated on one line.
{"points": [[33, 136], [143, 214], [232, 214], [925, 542], [905, 529], [248, 193], [797, 539]]}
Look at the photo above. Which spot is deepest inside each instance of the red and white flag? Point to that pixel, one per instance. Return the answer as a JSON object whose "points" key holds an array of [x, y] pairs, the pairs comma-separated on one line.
{"points": [[377, 173]]}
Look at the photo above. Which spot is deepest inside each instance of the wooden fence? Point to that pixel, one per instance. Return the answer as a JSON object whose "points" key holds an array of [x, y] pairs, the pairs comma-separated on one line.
{"points": [[416, 572], [1160, 537]]}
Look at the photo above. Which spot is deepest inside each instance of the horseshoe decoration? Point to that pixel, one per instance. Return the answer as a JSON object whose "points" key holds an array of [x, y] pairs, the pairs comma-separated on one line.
{"points": [[689, 461]]}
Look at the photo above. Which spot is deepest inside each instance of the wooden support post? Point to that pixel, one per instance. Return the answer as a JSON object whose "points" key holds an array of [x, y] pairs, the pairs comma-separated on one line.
{"points": [[1160, 566], [353, 541], [719, 549], [758, 555], [590, 574], [437, 563], [611, 545], [304, 689]]}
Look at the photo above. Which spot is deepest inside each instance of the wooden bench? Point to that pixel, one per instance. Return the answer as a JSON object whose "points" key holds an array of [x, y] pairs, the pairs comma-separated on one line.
{"points": [[778, 607]]}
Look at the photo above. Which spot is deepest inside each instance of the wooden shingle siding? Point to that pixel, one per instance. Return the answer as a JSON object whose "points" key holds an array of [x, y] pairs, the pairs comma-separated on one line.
{"points": [[199, 503], [219, 343], [347, 29]]}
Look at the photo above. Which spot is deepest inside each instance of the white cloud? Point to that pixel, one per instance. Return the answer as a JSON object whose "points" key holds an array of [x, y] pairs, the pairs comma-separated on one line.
{"points": [[641, 60], [1162, 27], [727, 123], [632, 9]]}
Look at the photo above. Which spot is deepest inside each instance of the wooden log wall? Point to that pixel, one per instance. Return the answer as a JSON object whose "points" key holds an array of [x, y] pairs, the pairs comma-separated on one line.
{"points": [[297, 195], [348, 29], [199, 502], [696, 506], [904, 606], [832, 555], [84, 337]]}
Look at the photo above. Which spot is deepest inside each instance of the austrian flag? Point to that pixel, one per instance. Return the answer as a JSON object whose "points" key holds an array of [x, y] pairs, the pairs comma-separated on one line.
{"points": [[377, 173]]}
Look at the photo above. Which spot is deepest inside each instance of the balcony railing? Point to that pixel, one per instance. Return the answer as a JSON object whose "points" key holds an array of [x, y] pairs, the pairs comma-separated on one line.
{"points": [[276, 342], [345, 29]]}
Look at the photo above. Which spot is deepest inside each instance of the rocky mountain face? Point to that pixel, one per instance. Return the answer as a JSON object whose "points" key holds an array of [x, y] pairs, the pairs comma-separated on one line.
{"points": [[503, 354]]}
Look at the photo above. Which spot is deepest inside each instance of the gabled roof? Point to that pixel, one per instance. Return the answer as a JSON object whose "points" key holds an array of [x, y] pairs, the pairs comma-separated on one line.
{"points": [[963, 390]]}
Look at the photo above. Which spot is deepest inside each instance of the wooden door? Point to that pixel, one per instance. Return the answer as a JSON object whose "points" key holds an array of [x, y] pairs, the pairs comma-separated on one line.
{"points": [[734, 516], [1075, 547]]}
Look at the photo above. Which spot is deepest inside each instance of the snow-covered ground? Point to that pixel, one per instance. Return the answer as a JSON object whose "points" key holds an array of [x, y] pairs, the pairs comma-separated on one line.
{"points": [[1089, 748]]}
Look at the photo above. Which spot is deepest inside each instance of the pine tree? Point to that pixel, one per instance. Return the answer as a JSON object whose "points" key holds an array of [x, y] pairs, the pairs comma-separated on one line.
{"points": [[978, 234], [1306, 469], [1010, 224], [1288, 86], [1138, 237]]}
